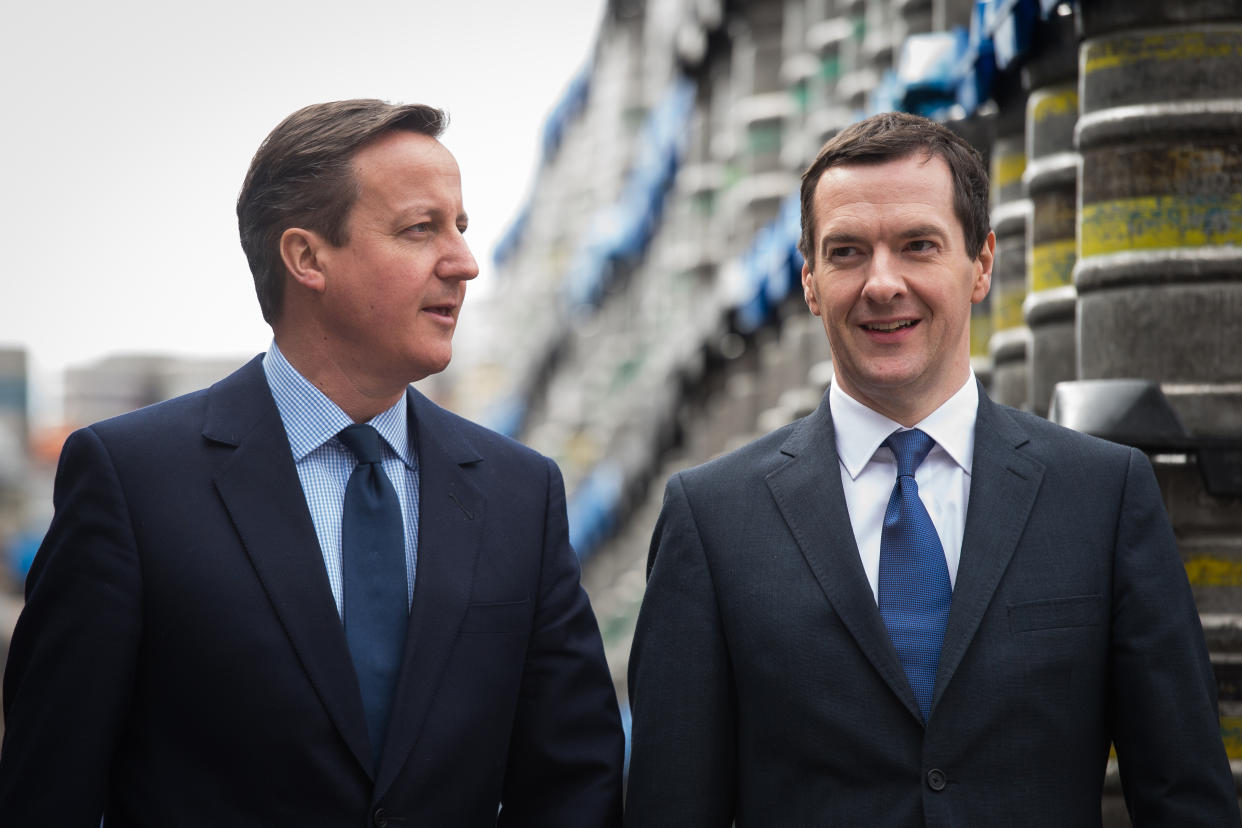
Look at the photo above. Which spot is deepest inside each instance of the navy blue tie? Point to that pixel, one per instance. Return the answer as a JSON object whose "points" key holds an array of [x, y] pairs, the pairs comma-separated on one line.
{"points": [[914, 579], [376, 604]]}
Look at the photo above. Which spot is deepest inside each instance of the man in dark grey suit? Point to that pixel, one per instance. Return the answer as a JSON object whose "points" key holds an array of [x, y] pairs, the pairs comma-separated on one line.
{"points": [[916, 606]]}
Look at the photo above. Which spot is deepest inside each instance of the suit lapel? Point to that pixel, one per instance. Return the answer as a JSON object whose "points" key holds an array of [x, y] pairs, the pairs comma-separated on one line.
{"points": [[451, 514], [1003, 486], [808, 493], [263, 495]]}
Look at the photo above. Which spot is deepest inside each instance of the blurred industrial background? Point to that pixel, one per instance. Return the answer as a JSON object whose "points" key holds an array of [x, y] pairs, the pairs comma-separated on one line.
{"points": [[645, 313]]}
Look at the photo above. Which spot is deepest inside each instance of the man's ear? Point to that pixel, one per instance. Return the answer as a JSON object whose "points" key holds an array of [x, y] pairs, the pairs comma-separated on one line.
{"points": [[300, 251], [808, 289], [983, 269]]}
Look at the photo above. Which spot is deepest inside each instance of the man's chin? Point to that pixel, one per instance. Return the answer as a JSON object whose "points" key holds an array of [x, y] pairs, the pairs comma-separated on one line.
{"points": [[427, 365], [888, 376]]}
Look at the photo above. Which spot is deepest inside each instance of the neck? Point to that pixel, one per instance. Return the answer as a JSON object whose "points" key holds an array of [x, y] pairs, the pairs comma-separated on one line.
{"points": [[359, 395], [902, 406]]}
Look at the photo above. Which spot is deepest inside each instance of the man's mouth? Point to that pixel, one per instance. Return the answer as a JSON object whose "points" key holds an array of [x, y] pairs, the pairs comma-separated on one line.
{"points": [[889, 327], [440, 310]]}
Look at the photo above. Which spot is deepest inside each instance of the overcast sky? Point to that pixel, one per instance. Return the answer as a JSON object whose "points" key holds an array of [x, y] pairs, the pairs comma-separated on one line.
{"points": [[129, 126]]}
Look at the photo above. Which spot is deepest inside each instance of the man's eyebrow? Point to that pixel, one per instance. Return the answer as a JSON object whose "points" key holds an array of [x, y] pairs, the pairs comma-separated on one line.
{"points": [[429, 211], [923, 230], [838, 239], [842, 238]]}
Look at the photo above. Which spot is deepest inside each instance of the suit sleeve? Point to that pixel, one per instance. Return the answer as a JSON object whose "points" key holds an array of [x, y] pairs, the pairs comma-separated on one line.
{"points": [[567, 747], [1174, 771], [683, 763], [70, 671]]}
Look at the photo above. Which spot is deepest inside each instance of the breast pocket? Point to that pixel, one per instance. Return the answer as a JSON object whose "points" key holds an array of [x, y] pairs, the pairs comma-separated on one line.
{"points": [[1056, 613], [498, 618]]}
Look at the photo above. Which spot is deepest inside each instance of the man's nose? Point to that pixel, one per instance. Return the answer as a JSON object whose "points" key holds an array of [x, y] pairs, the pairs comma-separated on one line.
{"points": [[884, 278], [458, 262]]}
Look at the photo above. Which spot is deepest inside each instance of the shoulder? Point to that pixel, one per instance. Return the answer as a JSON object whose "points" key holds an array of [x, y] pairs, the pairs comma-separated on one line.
{"points": [[1074, 466], [155, 422], [745, 466], [240, 395], [463, 437], [1053, 443]]}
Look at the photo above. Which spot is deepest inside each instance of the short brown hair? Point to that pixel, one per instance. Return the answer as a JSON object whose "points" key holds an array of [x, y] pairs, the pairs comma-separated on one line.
{"points": [[302, 176], [891, 136]]}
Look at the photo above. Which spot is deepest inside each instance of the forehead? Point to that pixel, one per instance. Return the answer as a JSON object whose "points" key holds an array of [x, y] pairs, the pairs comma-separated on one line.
{"points": [[912, 185], [400, 165]]}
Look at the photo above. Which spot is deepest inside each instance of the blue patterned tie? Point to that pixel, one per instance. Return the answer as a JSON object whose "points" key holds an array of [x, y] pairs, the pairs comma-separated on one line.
{"points": [[373, 572], [914, 579]]}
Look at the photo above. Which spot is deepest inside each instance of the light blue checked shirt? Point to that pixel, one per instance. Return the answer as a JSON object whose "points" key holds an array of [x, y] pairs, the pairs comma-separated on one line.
{"points": [[312, 422]]}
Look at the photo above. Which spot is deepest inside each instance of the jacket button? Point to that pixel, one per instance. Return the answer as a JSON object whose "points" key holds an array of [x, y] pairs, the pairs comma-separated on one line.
{"points": [[936, 779], [379, 818]]}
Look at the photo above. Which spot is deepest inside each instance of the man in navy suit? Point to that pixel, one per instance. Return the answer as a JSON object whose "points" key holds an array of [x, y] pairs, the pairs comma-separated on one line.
{"points": [[915, 606], [191, 652]]}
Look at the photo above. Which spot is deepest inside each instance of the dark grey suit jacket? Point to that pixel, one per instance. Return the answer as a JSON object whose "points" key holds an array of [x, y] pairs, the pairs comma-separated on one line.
{"points": [[180, 660], [765, 688]]}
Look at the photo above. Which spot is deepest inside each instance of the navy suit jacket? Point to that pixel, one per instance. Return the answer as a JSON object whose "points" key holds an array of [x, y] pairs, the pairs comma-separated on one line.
{"points": [[180, 660], [765, 687]]}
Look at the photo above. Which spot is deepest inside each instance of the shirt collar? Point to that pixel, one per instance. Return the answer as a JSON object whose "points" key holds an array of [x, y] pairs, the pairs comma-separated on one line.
{"points": [[311, 419], [860, 431]]}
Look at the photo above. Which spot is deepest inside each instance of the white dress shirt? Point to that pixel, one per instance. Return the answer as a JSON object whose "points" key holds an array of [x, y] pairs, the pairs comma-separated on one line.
{"points": [[869, 471]]}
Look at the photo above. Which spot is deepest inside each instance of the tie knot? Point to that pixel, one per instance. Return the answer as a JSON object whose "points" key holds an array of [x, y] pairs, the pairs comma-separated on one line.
{"points": [[363, 440], [910, 448]]}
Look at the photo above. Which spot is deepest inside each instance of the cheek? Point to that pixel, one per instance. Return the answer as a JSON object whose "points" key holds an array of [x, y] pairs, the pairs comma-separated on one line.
{"points": [[838, 300]]}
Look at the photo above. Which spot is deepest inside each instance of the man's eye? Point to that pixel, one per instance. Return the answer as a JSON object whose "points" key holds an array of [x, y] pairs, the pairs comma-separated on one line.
{"points": [[842, 252], [922, 246], [421, 227]]}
